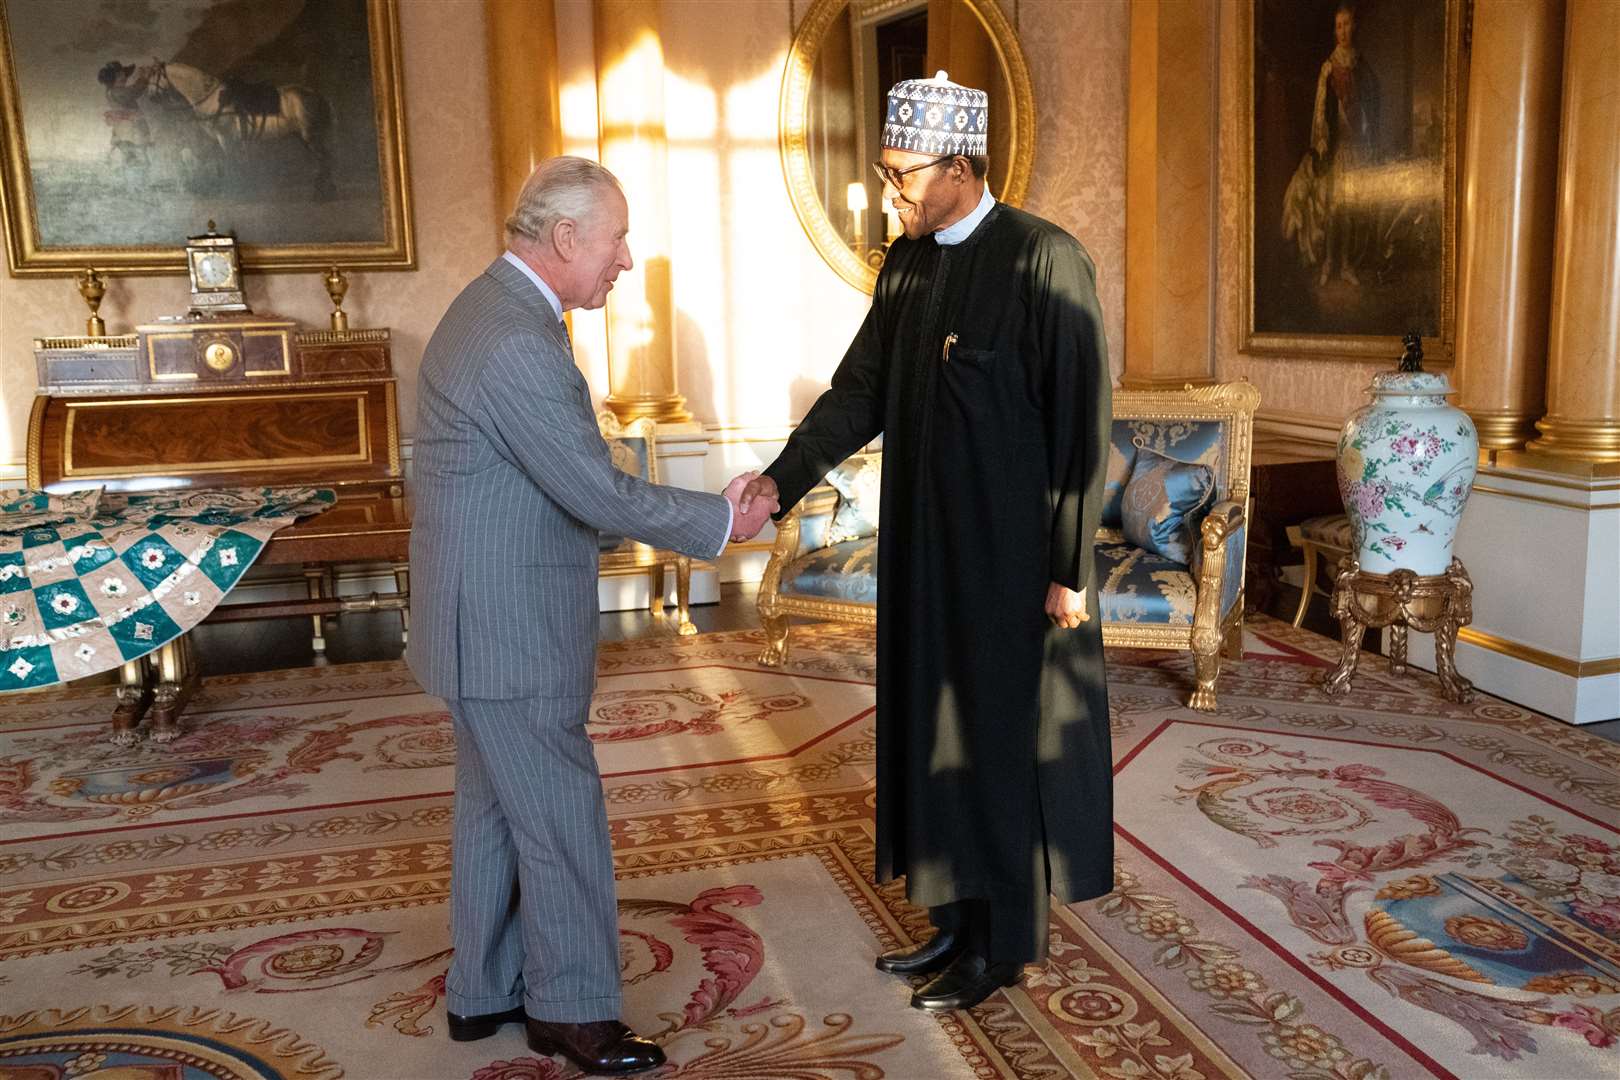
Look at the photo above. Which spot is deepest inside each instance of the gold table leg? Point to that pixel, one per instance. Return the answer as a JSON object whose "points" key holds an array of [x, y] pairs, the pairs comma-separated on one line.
{"points": [[315, 582], [134, 698], [177, 678], [683, 595], [1308, 589], [402, 582], [655, 590]]}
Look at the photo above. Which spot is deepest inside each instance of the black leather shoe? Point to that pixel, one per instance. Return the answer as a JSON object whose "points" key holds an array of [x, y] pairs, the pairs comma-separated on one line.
{"points": [[968, 981], [601, 1047], [933, 955], [468, 1028]]}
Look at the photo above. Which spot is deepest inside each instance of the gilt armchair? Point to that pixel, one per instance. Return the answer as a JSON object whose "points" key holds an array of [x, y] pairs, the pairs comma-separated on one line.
{"points": [[1198, 437], [1149, 599], [634, 447], [824, 561]]}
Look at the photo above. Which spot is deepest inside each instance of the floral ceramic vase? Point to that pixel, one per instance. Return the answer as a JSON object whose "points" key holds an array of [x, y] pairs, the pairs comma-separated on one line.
{"points": [[1406, 467]]}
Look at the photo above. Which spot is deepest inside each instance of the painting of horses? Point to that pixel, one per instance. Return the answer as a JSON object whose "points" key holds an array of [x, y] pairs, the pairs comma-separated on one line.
{"points": [[132, 123]]}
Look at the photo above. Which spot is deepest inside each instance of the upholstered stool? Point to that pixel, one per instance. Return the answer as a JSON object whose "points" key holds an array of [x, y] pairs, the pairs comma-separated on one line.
{"points": [[1326, 537]]}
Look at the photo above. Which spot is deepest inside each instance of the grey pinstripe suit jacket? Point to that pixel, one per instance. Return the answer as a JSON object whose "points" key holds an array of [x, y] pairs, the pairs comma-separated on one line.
{"points": [[511, 483]]}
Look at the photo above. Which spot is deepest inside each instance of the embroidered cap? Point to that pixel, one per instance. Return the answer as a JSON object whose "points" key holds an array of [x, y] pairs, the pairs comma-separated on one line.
{"points": [[937, 117]]}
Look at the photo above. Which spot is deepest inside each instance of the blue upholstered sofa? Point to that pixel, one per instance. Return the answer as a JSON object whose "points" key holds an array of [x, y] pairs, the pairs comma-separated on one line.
{"points": [[1194, 443]]}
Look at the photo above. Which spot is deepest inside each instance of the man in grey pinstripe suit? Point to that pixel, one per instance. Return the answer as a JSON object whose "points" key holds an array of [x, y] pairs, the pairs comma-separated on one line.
{"points": [[512, 484]]}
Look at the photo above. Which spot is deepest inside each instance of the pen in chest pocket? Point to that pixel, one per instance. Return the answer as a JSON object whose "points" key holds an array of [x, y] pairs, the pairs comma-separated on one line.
{"points": [[945, 353]]}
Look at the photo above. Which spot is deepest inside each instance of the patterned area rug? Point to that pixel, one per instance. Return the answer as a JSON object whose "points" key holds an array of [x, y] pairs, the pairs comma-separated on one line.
{"points": [[1388, 885]]}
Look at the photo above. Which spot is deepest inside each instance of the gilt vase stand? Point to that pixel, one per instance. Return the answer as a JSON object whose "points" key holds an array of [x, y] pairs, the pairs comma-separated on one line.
{"points": [[1402, 600]]}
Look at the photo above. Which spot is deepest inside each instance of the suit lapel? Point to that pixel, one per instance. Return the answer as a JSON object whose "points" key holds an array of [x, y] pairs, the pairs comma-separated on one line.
{"points": [[524, 293], [528, 297]]}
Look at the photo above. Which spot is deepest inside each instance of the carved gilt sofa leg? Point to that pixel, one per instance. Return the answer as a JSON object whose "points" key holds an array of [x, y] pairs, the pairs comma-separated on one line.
{"points": [[1209, 638], [776, 640], [775, 622], [1207, 662]]}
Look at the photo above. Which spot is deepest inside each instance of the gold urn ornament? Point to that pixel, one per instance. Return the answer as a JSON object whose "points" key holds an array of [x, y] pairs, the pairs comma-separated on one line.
{"points": [[337, 287], [92, 286]]}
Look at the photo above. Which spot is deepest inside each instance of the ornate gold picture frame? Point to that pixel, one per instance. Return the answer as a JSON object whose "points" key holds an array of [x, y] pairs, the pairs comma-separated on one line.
{"points": [[129, 127], [1350, 128], [818, 35]]}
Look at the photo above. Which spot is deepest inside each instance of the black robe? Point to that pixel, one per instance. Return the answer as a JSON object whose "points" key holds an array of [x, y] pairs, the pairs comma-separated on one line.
{"points": [[994, 777]]}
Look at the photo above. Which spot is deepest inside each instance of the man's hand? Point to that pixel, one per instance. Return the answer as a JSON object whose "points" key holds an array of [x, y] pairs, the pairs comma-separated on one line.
{"points": [[749, 514], [1065, 607], [759, 487]]}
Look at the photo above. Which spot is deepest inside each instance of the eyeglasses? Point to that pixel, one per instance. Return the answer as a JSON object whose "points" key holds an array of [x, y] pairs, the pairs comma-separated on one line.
{"points": [[896, 178]]}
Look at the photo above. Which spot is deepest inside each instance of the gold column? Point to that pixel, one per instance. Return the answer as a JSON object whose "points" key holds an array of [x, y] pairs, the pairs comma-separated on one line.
{"points": [[523, 85], [1169, 197], [1583, 359], [1510, 185], [640, 310]]}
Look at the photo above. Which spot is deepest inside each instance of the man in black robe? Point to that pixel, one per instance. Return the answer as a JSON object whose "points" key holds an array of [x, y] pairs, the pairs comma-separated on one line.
{"points": [[983, 365]]}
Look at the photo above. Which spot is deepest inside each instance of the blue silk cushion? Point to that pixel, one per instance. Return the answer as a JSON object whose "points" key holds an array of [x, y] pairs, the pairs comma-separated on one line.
{"points": [[1143, 588], [1121, 457], [846, 571], [1196, 442], [1164, 505]]}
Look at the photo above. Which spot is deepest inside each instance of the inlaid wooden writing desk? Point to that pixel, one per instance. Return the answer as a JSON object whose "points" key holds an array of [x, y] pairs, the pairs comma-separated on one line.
{"points": [[233, 401]]}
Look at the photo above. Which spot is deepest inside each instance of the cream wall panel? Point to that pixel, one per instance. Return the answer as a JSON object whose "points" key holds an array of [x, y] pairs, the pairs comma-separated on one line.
{"points": [[1079, 60]]}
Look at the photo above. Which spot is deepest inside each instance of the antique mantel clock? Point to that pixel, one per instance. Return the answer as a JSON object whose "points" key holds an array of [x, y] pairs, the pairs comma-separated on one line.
{"points": [[215, 269]]}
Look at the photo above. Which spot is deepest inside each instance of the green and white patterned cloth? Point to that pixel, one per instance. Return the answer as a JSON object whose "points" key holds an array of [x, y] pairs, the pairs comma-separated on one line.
{"points": [[86, 587]]}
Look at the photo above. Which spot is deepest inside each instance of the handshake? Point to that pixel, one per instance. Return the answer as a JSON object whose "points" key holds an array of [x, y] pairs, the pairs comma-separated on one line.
{"points": [[753, 500]]}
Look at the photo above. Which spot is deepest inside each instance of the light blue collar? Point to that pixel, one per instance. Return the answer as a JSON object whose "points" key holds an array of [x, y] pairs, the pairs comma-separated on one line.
{"points": [[955, 234], [539, 282]]}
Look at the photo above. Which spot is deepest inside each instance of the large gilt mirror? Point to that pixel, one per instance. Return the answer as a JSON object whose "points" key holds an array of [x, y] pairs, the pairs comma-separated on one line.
{"points": [[845, 56]]}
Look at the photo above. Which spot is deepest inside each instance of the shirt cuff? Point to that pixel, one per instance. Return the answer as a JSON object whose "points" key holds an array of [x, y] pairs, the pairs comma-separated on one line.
{"points": [[731, 519]]}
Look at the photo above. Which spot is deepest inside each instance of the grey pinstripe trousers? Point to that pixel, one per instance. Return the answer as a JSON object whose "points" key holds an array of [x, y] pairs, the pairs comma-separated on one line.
{"points": [[533, 916]]}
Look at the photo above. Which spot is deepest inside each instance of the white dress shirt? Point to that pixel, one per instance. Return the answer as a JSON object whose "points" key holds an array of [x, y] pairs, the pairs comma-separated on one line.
{"points": [[955, 234], [539, 282]]}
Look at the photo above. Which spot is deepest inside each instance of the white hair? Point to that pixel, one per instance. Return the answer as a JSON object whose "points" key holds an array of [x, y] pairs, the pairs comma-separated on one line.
{"points": [[559, 188]]}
